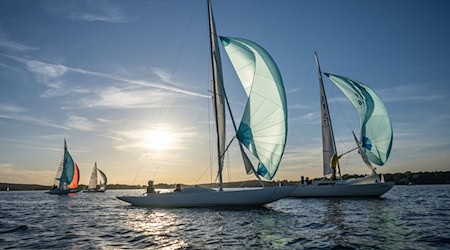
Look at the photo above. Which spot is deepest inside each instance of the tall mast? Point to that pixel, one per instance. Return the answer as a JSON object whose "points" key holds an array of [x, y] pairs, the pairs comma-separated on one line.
{"points": [[328, 141], [217, 94]]}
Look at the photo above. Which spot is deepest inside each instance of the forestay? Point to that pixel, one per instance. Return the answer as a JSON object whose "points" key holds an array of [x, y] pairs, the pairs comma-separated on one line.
{"points": [[263, 127], [376, 128]]}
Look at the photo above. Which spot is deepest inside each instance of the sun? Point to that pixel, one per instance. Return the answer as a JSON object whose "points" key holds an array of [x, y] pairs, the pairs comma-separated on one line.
{"points": [[159, 140]]}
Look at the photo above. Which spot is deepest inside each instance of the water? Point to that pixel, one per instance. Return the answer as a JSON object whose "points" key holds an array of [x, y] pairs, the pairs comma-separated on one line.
{"points": [[408, 217]]}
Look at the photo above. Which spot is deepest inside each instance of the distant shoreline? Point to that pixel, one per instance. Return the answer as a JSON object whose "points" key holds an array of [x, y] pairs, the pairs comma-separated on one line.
{"points": [[407, 178]]}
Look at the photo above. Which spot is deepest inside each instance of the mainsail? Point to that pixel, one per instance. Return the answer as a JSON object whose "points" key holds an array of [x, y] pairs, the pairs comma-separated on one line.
{"points": [[93, 180], [376, 128], [263, 127], [218, 93], [328, 142]]}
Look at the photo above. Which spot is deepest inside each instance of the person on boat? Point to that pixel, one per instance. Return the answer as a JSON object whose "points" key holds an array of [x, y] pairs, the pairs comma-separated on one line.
{"points": [[302, 180], [334, 163], [150, 188], [307, 181], [54, 187], [177, 188]]}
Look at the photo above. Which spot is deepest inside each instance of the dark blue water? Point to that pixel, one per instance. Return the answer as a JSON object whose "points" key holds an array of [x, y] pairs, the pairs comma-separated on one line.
{"points": [[407, 217]]}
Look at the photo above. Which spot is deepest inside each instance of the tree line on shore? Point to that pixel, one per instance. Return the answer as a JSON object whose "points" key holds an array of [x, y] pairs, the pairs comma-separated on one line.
{"points": [[407, 178]]}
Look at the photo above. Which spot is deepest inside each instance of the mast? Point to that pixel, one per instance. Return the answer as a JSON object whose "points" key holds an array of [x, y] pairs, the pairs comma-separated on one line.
{"points": [[217, 94], [328, 141]]}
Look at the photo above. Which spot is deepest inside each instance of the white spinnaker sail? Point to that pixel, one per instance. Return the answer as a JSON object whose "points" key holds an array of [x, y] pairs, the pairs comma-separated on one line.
{"points": [[105, 180], [263, 128]]}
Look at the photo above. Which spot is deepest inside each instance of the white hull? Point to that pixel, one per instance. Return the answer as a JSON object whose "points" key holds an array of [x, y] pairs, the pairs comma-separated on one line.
{"points": [[359, 187], [62, 192], [201, 197]]}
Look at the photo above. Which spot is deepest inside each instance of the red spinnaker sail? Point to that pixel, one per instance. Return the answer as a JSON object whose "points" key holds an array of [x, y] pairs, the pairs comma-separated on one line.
{"points": [[76, 178]]}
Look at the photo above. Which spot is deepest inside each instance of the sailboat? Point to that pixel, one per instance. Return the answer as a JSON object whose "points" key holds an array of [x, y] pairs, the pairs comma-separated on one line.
{"points": [[262, 130], [67, 175], [374, 143], [94, 185]]}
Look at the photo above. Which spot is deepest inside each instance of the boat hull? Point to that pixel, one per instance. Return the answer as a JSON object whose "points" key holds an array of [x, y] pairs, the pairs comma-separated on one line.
{"points": [[343, 190], [94, 191], [210, 198], [62, 192]]}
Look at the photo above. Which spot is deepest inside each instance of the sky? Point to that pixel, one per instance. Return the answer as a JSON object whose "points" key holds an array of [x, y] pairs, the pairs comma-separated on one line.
{"points": [[127, 84]]}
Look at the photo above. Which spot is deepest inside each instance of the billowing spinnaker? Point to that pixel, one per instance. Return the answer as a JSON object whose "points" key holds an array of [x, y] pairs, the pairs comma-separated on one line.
{"points": [[263, 128], [376, 128], [105, 180], [76, 178], [68, 167]]}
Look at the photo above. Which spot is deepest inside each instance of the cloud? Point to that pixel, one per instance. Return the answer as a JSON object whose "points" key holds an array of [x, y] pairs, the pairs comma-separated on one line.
{"points": [[8, 44], [88, 11], [117, 98], [49, 72], [299, 106], [164, 75], [11, 108], [79, 123], [310, 118], [32, 120], [414, 93]]}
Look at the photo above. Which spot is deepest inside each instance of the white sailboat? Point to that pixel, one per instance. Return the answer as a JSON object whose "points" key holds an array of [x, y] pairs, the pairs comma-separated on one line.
{"points": [[67, 175], [95, 186], [376, 137], [262, 131]]}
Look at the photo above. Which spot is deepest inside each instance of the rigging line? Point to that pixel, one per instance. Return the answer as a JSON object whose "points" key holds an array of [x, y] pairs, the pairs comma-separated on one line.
{"points": [[209, 166], [177, 60], [210, 139], [345, 119], [177, 100], [140, 166]]}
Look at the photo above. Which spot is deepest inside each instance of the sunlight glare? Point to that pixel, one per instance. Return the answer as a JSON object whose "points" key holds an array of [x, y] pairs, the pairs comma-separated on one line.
{"points": [[159, 140]]}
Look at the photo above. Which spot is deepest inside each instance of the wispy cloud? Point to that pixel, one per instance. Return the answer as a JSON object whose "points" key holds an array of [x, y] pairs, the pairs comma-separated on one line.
{"points": [[299, 106], [32, 120], [310, 118], [11, 45], [49, 72], [117, 98], [164, 75], [79, 123], [89, 11], [14, 112], [411, 92], [11, 108]]}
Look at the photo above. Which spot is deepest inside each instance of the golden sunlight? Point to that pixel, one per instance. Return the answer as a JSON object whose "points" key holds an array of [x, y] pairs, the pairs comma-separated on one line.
{"points": [[159, 139]]}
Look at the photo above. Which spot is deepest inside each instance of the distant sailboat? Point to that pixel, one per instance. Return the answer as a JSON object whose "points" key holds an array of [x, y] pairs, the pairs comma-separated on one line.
{"points": [[375, 146], [67, 176], [94, 185], [262, 131]]}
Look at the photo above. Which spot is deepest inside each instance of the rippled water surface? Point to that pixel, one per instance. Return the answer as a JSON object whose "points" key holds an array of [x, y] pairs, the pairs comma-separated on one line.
{"points": [[407, 217]]}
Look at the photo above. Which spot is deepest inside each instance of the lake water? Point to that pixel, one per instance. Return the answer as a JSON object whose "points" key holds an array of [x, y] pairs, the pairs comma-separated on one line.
{"points": [[407, 217]]}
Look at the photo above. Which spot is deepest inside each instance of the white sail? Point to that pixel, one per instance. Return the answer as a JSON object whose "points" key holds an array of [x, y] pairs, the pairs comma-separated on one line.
{"points": [[328, 142], [93, 180], [58, 173], [218, 93]]}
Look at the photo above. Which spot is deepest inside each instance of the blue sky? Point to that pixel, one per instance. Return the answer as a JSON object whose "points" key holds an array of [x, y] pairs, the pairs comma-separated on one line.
{"points": [[126, 82]]}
